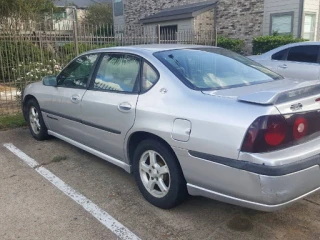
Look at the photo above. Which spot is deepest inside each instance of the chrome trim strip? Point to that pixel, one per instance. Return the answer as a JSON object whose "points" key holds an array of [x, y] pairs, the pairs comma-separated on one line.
{"points": [[80, 121]]}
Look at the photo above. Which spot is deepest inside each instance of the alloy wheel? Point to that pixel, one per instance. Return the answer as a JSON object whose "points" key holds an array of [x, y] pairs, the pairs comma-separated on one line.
{"points": [[154, 174], [34, 120]]}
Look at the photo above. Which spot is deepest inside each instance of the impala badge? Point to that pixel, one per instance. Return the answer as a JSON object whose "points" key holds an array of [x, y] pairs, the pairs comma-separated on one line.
{"points": [[296, 107]]}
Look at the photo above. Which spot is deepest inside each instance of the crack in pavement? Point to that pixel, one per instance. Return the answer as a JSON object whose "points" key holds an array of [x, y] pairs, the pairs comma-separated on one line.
{"points": [[310, 201], [54, 160]]}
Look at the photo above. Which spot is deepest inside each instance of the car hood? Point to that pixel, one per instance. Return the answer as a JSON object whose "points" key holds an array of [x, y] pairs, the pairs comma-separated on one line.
{"points": [[272, 93]]}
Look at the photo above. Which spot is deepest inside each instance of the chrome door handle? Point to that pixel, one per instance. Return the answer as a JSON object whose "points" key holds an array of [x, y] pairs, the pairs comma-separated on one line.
{"points": [[124, 107], [283, 66], [75, 98]]}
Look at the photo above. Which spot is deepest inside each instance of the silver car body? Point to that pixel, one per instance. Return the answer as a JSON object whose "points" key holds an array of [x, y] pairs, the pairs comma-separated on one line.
{"points": [[204, 129], [290, 69]]}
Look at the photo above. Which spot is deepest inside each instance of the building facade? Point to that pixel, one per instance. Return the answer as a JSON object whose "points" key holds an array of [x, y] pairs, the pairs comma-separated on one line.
{"points": [[241, 19]]}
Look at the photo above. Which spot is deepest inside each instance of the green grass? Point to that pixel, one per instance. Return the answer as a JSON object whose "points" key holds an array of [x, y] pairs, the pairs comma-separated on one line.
{"points": [[59, 158], [12, 121]]}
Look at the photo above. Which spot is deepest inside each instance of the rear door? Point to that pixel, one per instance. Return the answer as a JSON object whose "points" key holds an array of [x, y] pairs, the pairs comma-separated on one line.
{"points": [[301, 62], [64, 111], [109, 106]]}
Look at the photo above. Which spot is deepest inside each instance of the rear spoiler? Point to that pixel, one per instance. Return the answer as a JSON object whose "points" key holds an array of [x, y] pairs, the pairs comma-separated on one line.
{"points": [[269, 97]]}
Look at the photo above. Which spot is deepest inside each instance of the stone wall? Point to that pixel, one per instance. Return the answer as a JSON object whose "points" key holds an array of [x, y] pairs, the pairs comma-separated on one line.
{"points": [[241, 19], [204, 21]]}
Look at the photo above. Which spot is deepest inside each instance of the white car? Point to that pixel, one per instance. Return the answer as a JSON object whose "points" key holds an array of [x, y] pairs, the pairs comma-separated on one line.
{"points": [[295, 61]]}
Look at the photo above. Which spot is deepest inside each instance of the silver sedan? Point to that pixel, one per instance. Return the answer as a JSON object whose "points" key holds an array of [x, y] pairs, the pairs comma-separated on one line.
{"points": [[187, 120], [295, 60]]}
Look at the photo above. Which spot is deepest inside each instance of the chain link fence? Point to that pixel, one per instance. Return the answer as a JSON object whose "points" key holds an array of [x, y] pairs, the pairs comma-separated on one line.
{"points": [[35, 50]]}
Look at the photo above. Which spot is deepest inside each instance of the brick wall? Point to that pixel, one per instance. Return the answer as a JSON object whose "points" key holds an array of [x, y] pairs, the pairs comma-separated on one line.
{"points": [[204, 21], [241, 19]]}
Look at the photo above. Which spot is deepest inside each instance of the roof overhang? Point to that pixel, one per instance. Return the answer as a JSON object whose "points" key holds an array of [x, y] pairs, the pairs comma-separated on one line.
{"points": [[179, 13]]}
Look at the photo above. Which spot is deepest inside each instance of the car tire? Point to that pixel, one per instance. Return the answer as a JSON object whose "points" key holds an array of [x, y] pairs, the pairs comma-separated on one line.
{"points": [[35, 121], [158, 174]]}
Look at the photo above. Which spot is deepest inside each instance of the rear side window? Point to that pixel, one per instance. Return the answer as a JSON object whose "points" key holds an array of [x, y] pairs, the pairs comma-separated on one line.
{"points": [[149, 77], [119, 73], [280, 55], [307, 54]]}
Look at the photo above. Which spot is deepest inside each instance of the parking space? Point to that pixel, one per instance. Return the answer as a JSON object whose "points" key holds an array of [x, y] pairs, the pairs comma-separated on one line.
{"points": [[33, 208]]}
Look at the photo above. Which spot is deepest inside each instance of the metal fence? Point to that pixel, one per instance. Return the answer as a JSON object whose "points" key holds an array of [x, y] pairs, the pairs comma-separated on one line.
{"points": [[32, 51]]}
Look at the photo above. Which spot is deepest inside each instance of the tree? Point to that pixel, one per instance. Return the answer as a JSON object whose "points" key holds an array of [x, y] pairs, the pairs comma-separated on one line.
{"points": [[15, 12], [99, 14]]}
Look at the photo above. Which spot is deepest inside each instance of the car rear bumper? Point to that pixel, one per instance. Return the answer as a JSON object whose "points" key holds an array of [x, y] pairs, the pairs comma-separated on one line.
{"points": [[258, 187]]}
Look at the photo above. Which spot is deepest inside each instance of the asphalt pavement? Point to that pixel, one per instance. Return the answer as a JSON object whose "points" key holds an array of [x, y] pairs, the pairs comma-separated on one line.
{"points": [[32, 207]]}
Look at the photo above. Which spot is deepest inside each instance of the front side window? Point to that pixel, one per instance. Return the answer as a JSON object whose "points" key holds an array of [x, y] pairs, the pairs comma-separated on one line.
{"points": [[309, 26], [119, 73], [78, 72], [307, 54], [281, 23], [214, 68]]}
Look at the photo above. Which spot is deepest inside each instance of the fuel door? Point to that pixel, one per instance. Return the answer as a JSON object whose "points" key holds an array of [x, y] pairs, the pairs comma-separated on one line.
{"points": [[181, 130]]}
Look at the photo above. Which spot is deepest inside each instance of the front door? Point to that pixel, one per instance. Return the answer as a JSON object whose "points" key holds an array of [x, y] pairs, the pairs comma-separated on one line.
{"points": [[109, 106], [63, 114]]}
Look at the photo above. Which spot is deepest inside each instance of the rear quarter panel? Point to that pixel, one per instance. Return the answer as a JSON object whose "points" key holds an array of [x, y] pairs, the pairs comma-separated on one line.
{"points": [[218, 124]]}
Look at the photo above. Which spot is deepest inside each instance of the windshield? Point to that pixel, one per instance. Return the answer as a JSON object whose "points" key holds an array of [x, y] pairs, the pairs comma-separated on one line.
{"points": [[214, 68]]}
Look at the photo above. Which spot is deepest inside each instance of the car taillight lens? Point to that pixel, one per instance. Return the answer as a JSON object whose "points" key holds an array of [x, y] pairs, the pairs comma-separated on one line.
{"points": [[276, 130], [268, 133], [264, 133], [300, 128]]}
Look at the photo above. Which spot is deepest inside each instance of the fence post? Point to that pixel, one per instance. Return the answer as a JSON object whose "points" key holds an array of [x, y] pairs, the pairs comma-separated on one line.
{"points": [[216, 36], [75, 37], [41, 46], [159, 33]]}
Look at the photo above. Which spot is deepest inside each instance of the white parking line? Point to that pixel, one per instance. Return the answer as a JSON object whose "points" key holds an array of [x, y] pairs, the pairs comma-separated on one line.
{"points": [[102, 216]]}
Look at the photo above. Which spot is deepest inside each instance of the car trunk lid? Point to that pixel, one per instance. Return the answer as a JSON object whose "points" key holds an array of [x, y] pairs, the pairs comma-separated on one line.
{"points": [[287, 95]]}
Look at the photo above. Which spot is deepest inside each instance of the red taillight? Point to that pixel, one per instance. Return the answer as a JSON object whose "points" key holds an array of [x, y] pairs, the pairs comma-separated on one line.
{"points": [[266, 133], [249, 140], [300, 128], [269, 133], [276, 130]]}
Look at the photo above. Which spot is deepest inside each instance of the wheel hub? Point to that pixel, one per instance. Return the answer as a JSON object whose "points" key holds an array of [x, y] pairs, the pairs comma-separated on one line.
{"points": [[34, 120], [154, 174]]}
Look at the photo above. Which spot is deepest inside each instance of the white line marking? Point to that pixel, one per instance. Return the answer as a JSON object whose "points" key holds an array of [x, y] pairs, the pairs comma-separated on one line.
{"points": [[102, 216]]}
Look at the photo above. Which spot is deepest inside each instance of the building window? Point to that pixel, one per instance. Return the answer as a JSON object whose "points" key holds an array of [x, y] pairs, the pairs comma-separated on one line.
{"points": [[169, 32], [118, 8], [60, 15], [281, 23], [309, 26]]}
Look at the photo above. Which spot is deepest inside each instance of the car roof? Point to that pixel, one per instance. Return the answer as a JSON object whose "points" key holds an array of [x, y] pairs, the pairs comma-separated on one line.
{"points": [[151, 47]]}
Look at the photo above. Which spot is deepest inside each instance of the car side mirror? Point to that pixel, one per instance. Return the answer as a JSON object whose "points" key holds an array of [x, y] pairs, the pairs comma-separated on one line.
{"points": [[50, 81]]}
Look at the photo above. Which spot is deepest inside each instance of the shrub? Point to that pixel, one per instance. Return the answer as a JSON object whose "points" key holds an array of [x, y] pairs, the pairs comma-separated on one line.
{"points": [[33, 72], [14, 54], [235, 45], [266, 43]]}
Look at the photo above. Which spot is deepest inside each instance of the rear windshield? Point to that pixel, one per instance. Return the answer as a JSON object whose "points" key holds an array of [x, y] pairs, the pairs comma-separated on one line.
{"points": [[214, 68]]}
